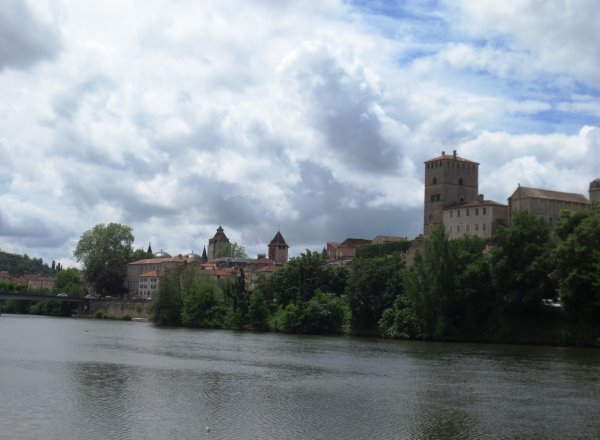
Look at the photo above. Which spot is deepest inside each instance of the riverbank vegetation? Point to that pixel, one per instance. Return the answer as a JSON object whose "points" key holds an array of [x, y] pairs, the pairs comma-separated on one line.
{"points": [[532, 285]]}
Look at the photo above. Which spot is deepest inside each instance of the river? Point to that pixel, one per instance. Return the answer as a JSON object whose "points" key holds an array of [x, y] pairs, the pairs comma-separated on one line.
{"points": [[64, 378]]}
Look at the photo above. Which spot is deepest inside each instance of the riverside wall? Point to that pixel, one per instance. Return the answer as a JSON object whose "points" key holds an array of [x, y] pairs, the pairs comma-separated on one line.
{"points": [[117, 308]]}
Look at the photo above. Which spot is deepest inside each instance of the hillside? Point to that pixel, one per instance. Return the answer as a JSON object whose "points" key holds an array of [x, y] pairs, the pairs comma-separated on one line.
{"points": [[18, 265]]}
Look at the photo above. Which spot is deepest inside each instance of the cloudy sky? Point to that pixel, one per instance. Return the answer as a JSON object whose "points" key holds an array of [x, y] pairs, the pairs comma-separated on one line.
{"points": [[177, 116]]}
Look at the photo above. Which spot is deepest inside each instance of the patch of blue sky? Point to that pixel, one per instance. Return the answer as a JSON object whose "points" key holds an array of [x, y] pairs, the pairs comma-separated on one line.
{"points": [[557, 121], [393, 18]]}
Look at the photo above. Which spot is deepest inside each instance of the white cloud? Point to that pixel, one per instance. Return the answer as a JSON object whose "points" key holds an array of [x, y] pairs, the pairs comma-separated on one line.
{"points": [[176, 117]]}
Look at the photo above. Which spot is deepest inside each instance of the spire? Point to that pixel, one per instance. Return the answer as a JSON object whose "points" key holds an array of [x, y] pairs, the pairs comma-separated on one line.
{"points": [[204, 256], [149, 251]]}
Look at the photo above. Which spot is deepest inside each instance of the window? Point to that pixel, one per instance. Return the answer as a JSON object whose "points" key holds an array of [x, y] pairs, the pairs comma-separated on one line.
{"points": [[460, 181], [476, 227], [437, 197], [467, 212], [468, 228], [435, 180], [432, 197], [476, 211], [458, 212], [457, 229], [484, 210], [483, 226]]}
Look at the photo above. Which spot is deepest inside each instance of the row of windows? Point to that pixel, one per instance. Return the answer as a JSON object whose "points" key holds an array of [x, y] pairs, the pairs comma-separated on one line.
{"points": [[460, 181], [468, 228], [468, 212], [435, 198]]}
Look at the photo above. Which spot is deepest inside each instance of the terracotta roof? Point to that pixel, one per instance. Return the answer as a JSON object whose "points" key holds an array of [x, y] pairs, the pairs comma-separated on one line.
{"points": [[537, 193], [451, 157], [353, 242], [149, 274], [475, 203], [267, 269]]}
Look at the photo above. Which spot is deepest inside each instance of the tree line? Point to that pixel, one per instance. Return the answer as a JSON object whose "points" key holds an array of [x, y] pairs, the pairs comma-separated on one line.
{"points": [[454, 290]]}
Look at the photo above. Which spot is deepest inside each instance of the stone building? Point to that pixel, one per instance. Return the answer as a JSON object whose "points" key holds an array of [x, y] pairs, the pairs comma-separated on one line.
{"points": [[278, 250], [595, 191], [218, 240], [137, 271], [478, 217], [544, 203], [449, 180]]}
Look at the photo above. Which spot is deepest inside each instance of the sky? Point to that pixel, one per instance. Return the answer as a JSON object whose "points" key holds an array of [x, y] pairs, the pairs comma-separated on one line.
{"points": [[177, 116]]}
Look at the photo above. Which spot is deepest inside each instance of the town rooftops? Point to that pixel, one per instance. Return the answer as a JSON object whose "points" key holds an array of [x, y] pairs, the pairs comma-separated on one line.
{"points": [[537, 193]]}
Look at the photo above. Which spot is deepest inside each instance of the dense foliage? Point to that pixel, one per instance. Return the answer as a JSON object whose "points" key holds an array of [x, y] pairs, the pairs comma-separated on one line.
{"points": [[17, 265], [105, 251]]}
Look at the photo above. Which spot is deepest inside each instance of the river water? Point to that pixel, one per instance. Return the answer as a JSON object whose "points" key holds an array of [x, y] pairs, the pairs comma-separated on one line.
{"points": [[64, 378]]}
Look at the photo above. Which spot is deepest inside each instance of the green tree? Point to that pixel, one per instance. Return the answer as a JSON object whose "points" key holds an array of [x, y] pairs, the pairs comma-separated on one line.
{"points": [[233, 250], [202, 305], [322, 314], [373, 285], [258, 311], [167, 302], [237, 297], [105, 251], [141, 254], [69, 281], [430, 284], [301, 278], [521, 263], [577, 259]]}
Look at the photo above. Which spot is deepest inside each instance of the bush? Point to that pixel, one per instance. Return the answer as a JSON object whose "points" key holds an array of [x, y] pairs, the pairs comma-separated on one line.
{"points": [[322, 314]]}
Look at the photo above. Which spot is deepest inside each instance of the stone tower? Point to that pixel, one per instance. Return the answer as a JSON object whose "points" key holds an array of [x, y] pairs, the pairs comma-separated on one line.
{"points": [[217, 241], [595, 191], [449, 180], [278, 249]]}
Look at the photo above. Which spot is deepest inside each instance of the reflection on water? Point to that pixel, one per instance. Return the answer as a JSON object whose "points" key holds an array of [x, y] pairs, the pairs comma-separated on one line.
{"points": [[68, 378]]}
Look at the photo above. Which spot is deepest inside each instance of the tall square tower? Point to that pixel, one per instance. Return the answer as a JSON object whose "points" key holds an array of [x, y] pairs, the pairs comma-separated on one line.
{"points": [[449, 179]]}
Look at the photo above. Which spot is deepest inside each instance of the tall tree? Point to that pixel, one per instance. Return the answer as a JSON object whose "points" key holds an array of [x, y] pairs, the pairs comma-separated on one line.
{"points": [[520, 261], [430, 284], [233, 250], [105, 251], [373, 285], [69, 281], [577, 260]]}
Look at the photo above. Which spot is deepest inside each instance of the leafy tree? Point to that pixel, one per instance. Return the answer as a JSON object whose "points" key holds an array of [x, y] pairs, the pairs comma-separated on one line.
{"points": [[430, 284], [105, 251], [322, 314], [203, 305], [373, 285], [301, 278], [258, 311], [237, 297], [167, 302], [577, 260], [69, 281], [233, 250], [141, 254], [520, 262]]}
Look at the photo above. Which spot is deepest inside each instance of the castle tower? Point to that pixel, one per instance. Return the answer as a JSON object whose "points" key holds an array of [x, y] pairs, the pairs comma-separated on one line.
{"points": [[216, 242], [449, 180], [595, 191], [278, 249]]}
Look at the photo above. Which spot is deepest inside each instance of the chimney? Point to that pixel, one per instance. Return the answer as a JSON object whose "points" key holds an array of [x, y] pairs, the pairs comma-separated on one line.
{"points": [[481, 199], [454, 153], [443, 153]]}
